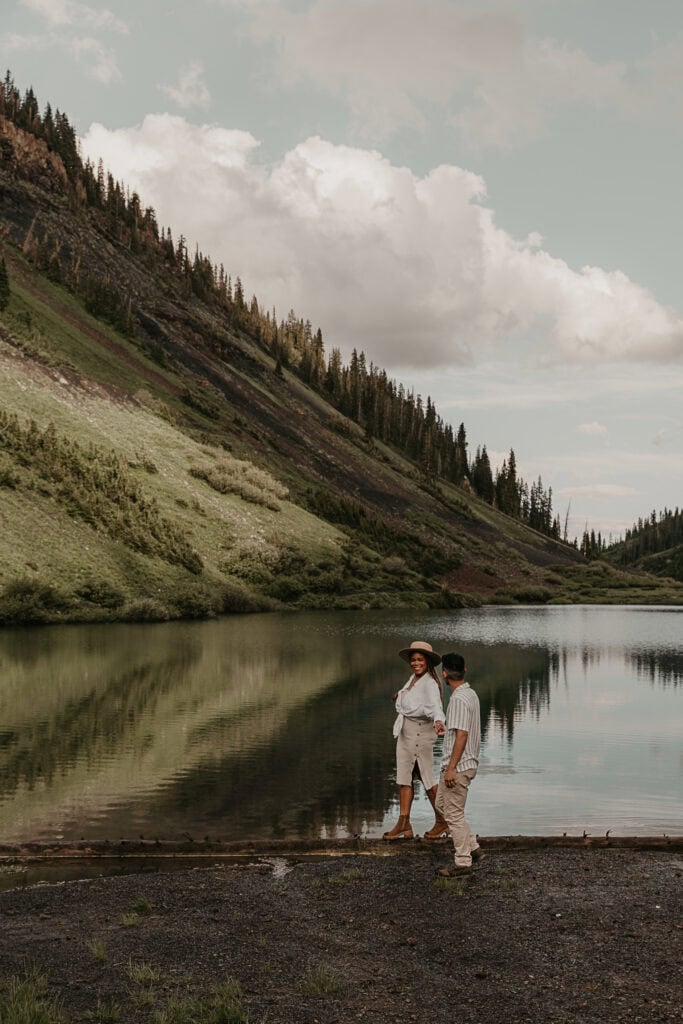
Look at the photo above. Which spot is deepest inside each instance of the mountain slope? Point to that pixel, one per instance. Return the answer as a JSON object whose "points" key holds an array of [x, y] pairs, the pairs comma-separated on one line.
{"points": [[175, 467]]}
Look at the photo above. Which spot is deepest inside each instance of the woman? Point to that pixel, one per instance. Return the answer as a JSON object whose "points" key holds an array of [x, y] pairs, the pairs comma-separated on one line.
{"points": [[419, 708]]}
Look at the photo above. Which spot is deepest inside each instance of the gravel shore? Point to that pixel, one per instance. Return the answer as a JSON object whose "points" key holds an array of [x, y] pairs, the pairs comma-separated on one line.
{"points": [[544, 936]]}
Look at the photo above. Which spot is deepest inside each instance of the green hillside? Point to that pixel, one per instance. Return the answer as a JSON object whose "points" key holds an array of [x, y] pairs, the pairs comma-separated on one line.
{"points": [[653, 545], [159, 457]]}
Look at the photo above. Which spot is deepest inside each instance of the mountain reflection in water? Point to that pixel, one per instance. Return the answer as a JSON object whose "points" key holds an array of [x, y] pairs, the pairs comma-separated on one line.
{"points": [[280, 725]]}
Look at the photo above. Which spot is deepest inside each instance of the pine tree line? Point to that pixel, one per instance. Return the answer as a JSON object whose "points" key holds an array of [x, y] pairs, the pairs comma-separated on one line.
{"points": [[384, 409], [660, 532]]}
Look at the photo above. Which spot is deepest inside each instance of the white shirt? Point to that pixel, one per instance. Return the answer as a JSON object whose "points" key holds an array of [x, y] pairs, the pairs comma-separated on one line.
{"points": [[422, 700], [463, 713]]}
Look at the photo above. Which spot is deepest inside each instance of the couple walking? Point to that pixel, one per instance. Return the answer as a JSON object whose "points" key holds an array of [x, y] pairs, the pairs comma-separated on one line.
{"points": [[420, 719]]}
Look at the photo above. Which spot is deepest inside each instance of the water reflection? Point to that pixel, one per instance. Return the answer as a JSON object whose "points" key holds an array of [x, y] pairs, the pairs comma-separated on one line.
{"points": [[281, 725]]}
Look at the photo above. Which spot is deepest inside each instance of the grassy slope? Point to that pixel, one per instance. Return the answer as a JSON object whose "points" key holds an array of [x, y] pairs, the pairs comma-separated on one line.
{"points": [[59, 365]]}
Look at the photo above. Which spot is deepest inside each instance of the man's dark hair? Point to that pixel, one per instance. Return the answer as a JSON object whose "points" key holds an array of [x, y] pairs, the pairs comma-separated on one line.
{"points": [[453, 665]]}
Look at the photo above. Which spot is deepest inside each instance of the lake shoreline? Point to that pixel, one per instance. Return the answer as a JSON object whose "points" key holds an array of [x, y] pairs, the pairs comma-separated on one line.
{"points": [[553, 934]]}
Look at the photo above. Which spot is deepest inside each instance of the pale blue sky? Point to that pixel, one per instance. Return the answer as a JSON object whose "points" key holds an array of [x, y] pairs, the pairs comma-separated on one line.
{"points": [[424, 179]]}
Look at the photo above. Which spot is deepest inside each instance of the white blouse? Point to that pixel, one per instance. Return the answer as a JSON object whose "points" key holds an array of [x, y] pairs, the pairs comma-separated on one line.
{"points": [[422, 700]]}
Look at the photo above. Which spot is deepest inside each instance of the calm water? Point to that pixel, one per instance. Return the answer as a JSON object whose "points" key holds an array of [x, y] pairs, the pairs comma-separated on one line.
{"points": [[280, 725]]}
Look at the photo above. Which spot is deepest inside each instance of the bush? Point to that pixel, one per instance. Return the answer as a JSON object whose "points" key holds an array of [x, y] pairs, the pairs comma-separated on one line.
{"points": [[29, 601], [146, 609], [196, 603], [102, 593], [236, 601], [234, 476]]}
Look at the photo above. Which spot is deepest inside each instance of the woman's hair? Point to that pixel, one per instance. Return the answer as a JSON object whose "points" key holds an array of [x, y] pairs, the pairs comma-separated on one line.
{"points": [[432, 672]]}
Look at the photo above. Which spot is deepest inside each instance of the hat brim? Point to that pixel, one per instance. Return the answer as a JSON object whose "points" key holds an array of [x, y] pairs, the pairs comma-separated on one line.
{"points": [[431, 656]]}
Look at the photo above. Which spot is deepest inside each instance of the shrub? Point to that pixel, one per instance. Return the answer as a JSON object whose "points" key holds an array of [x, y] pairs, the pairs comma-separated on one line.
{"points": [[234, 476], [146, 609], [29, 601], [102, 593], [196, 603]]}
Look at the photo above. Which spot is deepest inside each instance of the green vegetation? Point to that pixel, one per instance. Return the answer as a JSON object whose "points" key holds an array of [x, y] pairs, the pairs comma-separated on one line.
{"points": [[142, 973], [319, 982], [107, 1011], [222, 1006], [653, 545], [130, 920], [453, 886], [346, 877], [25, 1000], [95, 485], [98, 949]]}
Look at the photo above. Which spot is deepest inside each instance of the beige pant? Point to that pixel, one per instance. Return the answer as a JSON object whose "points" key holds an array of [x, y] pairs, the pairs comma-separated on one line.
{"points": [[450, 801]]}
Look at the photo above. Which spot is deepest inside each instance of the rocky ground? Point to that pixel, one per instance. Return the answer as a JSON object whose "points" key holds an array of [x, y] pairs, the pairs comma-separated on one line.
{"points": [[544, 936]]}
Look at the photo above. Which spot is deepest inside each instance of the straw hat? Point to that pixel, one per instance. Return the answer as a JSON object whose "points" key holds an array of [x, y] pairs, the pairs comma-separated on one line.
{"points": [[422, 648]]}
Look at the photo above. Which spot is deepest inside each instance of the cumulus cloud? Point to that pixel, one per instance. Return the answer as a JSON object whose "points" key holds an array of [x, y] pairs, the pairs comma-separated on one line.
{"points": [[191, 90], [594, 428], [412, 269]]}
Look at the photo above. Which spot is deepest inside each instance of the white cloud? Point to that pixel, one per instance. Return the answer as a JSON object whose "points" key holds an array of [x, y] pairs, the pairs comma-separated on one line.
{"points": [[191, 90], [399, 62], [476, 68], [594, 428], [412, 269], [99, 60], [61, 13]]}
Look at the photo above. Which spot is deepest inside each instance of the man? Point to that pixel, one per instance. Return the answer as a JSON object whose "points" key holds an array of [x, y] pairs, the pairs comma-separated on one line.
{"points": [[462, 740]]}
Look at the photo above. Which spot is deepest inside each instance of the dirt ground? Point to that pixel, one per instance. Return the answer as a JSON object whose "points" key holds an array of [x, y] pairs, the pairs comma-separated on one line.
{"points": [[544, 936]]}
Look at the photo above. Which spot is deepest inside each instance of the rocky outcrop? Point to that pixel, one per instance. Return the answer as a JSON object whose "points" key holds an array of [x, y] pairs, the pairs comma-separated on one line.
{"points": [[25, 156]]}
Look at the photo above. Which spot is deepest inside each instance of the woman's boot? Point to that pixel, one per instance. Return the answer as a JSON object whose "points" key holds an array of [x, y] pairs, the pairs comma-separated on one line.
{"points": [[440, 826], [438, 829], [401, 829]]}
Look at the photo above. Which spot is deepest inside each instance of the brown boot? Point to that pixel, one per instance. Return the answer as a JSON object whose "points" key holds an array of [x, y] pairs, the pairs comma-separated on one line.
{"points": [[401, 829], [438, 829]]}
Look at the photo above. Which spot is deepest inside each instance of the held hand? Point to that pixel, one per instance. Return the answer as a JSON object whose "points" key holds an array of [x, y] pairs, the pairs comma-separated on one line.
{"points": [[439, 728]]}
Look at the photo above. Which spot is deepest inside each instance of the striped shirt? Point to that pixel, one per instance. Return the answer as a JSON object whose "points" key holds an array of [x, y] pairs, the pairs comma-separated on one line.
{"points": [[463, 713]]}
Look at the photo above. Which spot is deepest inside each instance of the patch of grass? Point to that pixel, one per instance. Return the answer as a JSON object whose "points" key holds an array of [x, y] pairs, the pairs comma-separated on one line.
{"points": [[319, 982], [222, 1006], [142, 906], [142, 973], [453, 886], [106, 1012], [26, 1000], [98, 949], [503, 884], [143, 996], [130, 921], [350, 875]]}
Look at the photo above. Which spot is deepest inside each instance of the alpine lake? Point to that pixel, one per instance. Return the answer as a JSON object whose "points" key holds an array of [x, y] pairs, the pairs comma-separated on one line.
{"points": [[280, 725]]}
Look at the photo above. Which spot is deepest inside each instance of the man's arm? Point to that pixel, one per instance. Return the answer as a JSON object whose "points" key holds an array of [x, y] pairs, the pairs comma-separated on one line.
{"points": [[456, 754]]}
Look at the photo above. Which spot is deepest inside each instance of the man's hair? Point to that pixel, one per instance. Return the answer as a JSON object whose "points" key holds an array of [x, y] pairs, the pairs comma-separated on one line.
{"points": [[453, 665]]}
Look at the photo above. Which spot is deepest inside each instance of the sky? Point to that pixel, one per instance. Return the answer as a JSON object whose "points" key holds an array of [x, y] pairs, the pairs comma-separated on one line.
{"points": [[484, 197]]}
